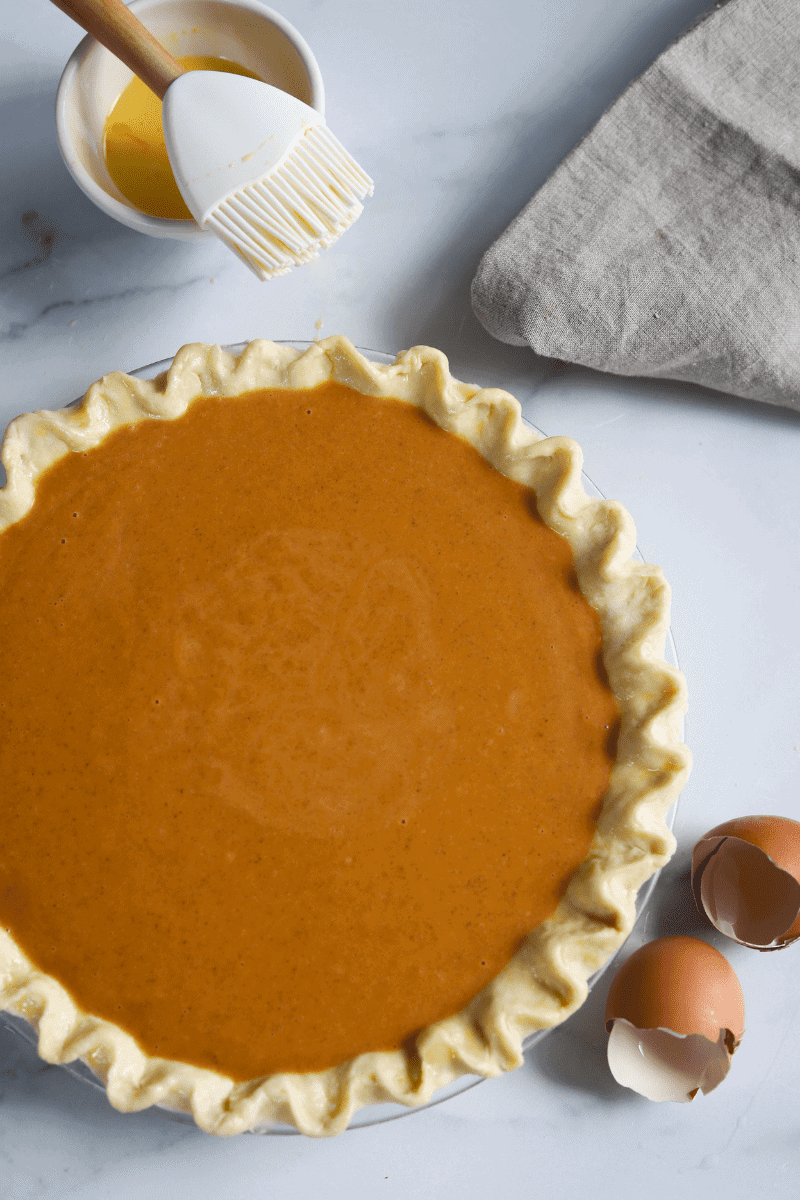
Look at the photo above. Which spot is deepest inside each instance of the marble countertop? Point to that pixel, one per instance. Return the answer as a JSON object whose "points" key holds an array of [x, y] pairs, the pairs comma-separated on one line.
{"points": [[459, 111]]}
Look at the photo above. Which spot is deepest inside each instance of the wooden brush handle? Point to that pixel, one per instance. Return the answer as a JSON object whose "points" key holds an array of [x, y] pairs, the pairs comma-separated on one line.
{"points": [[113, 25]]}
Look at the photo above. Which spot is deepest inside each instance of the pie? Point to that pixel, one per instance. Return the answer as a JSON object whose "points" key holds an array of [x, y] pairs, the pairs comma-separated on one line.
{"points": [[338, 737]]}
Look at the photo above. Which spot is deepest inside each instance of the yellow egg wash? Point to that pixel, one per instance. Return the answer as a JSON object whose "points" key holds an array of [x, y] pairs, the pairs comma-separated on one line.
{"points": [[133, 144]]}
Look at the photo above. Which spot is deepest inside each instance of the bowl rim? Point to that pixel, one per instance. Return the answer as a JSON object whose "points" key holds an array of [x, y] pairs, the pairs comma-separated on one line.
{"points": [[167, 227]]}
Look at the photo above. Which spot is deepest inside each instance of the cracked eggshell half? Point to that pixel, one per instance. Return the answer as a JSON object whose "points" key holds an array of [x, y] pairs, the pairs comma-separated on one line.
{"points": [[675, 1015], [746, 879]]}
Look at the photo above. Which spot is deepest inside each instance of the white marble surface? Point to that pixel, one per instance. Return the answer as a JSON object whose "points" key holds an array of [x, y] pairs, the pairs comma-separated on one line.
{"points": [[459, 110]]}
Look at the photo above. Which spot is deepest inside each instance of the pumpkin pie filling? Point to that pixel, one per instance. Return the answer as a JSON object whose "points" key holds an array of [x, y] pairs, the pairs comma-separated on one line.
{"points": [[302, 735]]}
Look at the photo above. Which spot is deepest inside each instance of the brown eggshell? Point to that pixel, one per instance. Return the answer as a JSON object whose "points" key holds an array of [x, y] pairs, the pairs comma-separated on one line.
{"points": [[680, 984], [777, 837]]}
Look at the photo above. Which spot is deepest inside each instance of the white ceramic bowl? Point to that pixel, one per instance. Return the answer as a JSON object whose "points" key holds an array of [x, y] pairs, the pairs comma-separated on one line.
{"points": [[245, 31]]}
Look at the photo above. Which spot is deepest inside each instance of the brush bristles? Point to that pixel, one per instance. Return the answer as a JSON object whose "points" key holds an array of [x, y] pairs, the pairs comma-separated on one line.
{"points": [[285, 218]]}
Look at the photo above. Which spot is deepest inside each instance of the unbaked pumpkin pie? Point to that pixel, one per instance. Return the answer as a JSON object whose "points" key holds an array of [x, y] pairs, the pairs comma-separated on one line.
{"points": [[337, 734]]}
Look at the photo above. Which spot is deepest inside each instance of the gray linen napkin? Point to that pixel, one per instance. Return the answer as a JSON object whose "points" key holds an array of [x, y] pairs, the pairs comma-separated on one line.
{"points": [[668, 241]]}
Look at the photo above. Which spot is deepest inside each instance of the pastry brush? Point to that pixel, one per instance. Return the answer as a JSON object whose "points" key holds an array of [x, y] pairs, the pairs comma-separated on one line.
{"points": [[255, 165]]}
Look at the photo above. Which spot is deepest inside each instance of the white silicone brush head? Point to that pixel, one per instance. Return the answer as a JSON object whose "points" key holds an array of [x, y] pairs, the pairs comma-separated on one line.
{"points": [[260, 169]]}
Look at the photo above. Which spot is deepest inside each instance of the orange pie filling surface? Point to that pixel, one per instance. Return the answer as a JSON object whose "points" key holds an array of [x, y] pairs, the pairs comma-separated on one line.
{"points": [[304, 727]]}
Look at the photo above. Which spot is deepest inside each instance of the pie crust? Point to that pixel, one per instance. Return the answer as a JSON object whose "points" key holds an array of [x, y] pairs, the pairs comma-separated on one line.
{"points": [[546, 981]]}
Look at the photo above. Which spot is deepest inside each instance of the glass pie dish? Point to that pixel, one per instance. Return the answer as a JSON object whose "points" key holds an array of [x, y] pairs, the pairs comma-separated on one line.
{"points": [[465, 1078]]}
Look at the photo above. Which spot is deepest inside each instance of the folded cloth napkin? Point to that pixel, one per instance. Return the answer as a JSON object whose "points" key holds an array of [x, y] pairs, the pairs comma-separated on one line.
{"points": [[668, 241]]}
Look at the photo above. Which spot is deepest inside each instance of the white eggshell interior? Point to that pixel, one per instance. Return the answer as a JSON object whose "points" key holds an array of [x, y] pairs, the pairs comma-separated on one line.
{"points": [[747, 896], [662, 1065]]}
